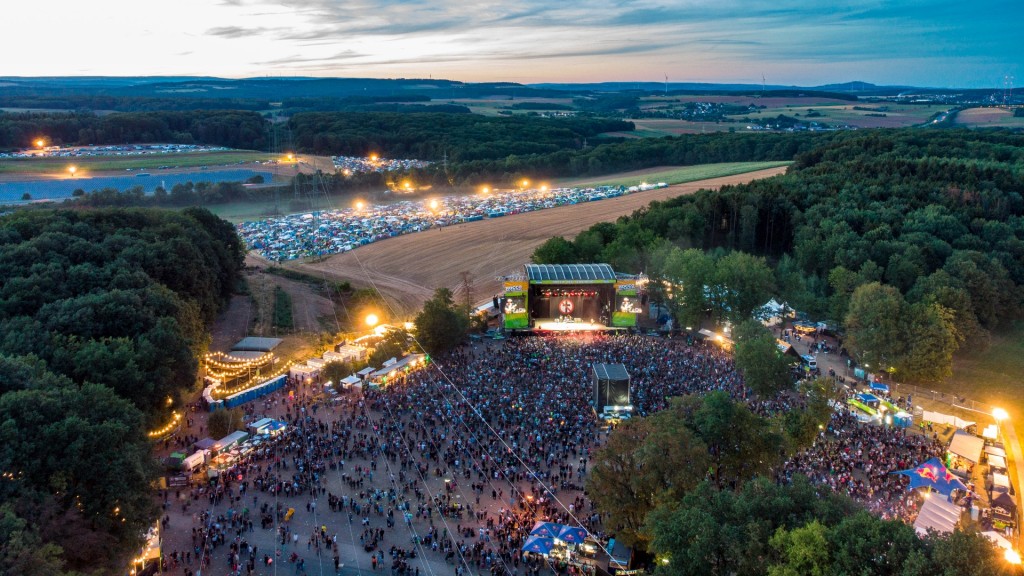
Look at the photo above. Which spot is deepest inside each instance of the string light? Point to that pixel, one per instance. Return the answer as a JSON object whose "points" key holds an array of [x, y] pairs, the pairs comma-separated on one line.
{"points": [[175, 419]]}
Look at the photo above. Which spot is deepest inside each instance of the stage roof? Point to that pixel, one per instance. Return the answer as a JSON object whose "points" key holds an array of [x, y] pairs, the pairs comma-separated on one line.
{"points": [[569, 273], [615, 372]]}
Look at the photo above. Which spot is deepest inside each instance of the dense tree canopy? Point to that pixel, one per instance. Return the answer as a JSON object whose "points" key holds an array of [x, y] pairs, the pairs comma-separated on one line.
{"points": [[102, 316], [232, 128], [936, 216], [441, 325]]}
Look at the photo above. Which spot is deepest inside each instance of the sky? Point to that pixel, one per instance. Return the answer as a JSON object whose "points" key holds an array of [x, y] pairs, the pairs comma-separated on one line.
{"points": [[936, 43]]}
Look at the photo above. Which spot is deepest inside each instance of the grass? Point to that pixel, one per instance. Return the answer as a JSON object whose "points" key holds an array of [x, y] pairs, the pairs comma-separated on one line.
{"points": [[249, 210], [896, 115], [147, 162], [678, 175], [993, 376], [988, 118]]}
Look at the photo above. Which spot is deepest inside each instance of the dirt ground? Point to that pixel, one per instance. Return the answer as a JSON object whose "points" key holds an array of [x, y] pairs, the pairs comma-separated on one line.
{"points": [[407, 269], [251, 316]]}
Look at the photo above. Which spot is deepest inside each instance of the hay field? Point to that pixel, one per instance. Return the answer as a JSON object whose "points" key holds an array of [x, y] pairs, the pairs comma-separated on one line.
{"points": [[988, 118], [407, 269]]}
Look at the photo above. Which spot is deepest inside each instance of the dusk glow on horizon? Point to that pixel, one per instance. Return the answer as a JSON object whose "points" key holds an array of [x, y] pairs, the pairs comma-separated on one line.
{"points": [[912, 42]]}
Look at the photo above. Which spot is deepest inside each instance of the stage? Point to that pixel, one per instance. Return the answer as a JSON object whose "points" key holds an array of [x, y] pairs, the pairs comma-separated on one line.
{"points": [[560, 326]]}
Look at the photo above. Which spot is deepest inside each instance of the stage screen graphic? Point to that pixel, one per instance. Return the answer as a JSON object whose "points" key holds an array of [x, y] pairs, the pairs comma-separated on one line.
{"points": [[515, 307], [627, 304]]}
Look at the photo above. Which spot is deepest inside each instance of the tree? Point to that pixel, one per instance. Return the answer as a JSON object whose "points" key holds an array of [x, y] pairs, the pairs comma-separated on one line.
{"points": [[394, 344], [556, 250], [745, 283], [765, 370], [804, 551], [875, 328], [690, 271], [224, 422], [336, 371], [441, 326], [740, 444], [647, 462]]}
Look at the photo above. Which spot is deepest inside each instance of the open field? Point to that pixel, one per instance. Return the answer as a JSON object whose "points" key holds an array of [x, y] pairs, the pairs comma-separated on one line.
{"points": [[740, 100], [658, 127], [993, 376], [988, 118], [491, 106], [672, 174], [50, 165], [896, 115], [407, 269]]}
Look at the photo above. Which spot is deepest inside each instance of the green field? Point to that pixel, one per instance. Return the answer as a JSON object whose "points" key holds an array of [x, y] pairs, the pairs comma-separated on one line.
{"points": [[989, 117], [113, 163], [679, 175], [236, 212], [896, 115], [994, 376]]}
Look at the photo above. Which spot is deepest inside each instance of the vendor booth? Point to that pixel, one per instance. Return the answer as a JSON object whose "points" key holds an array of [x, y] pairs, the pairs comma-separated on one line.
{"points": [[1004, 508], [966, 446], [940, 418]]}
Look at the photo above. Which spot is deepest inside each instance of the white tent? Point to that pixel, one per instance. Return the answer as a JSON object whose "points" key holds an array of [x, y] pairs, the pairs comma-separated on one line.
{"points": [[995, 451], [998, 539], [937, 514], [966, 446], [940, 418], [350, 380], [996, 461], [1000, 483]]}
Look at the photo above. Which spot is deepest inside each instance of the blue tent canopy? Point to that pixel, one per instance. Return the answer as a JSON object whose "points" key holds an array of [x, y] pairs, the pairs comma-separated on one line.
{"points": [[572, 535], [539, 544], [867, 398], [933, 475], [546, 529], [880, 387]]}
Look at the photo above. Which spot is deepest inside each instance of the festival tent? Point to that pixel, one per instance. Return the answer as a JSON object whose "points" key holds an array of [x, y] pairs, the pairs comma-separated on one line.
{"points": [[998, 539], [1003, 507], [205, 444], [572, 535], [546, 529], [539, 544], [967, 446], [997, 462], [1000, 482], [350, 380], [995, 451], [878, 386], [940, 418], [934, 475], [937, 514]]}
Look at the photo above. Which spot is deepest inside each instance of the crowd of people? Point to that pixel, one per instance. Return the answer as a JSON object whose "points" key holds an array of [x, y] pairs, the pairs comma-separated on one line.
{"points": [[358, 164], [340, 230], [449, 467]]}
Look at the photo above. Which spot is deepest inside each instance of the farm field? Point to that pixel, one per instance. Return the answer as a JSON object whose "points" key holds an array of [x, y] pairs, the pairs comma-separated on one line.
{"points": [[672, 174], [988, 118], [51, 166], [407, 269], [896, 115], [491, 106], [659, 127]]}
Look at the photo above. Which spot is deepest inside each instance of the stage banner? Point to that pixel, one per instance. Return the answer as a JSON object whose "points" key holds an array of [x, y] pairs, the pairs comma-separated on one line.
{"points": [[627, 304], [515, 310]]}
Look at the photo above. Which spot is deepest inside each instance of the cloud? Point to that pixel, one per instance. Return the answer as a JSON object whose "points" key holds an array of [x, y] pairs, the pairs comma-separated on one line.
{"points": [[235, 32], [297, 59]]}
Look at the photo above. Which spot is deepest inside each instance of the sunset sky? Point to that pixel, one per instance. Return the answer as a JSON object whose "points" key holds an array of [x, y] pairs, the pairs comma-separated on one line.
{"points": [[924, 43]]}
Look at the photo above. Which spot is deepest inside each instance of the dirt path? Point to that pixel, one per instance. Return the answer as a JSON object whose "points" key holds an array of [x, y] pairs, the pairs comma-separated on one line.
{"points": [[407, 269]]}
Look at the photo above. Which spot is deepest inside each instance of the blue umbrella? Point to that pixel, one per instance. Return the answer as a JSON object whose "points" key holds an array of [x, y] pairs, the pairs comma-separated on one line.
{"points": [[572, 535], [933, 475], [546, 529], [539, 544]]}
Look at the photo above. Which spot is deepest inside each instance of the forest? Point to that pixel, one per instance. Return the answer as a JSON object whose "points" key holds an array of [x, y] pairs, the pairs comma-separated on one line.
{"points": [[103, 314], [913, 241], [231, 128], [464, 137]]}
